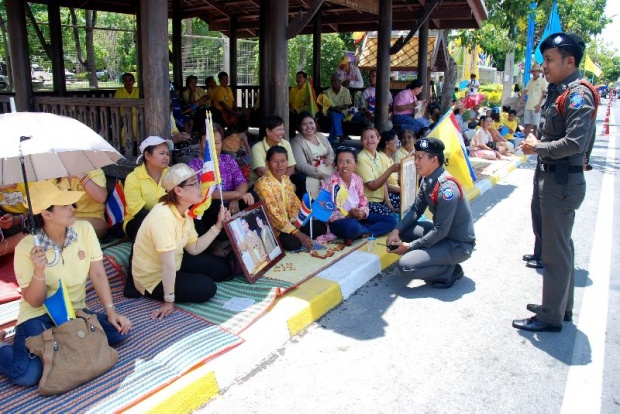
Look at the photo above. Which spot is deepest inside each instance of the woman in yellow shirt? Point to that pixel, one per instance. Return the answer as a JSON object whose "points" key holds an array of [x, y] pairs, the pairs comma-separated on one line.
{"points": [[67, 250], [168, 264], [378, 174], [91, 206], [143, 185]]}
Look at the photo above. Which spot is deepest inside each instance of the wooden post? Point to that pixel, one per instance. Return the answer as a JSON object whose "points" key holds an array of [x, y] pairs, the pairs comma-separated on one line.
{"points": [[264, 57], [177, 44], [278, 82], [423, 58], [383, 64], [58, 63], [232, 51], [316, 52], [20, 60], [154, 39]]}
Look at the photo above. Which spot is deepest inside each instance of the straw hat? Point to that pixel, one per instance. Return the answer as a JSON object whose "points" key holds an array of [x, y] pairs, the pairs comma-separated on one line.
{"points": [[536, 68]]}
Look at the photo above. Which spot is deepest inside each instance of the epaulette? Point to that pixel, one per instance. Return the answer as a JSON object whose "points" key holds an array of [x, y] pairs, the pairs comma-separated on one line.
{"points": [[560, 103]]}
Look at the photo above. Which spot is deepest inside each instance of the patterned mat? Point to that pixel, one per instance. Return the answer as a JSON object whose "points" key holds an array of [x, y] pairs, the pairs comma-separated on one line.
{"points": [[264, 292], [8, 284], [296, 268], [157, 353]]}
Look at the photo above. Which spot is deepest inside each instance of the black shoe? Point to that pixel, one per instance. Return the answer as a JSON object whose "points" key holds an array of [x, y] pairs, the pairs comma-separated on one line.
{"points": [[457, 274], [535, 264], [534, 325], [528, 257], [532, 307]]}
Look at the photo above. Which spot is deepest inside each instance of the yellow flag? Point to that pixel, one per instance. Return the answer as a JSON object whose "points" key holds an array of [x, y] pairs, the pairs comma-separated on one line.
{"points": [[458, 162], [592, 67], [309, 92]]}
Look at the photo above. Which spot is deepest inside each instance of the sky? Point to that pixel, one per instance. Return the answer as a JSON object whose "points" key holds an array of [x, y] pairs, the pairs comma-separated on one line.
{"points": [[611, 33]]}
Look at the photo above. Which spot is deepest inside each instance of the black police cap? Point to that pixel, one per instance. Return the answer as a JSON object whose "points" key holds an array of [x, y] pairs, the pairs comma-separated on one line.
{"points": [[431, 145], [560, 40]]}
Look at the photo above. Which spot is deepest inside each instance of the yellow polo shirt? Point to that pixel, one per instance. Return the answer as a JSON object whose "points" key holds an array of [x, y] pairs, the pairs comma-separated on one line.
{"points": [[86, 206], [163, 230], [223, 93], [12, 200], [259, 157], [141, 191], [370, 168], [72, 268]]}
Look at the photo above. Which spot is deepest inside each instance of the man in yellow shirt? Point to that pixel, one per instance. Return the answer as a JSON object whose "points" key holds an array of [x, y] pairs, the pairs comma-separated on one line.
{"points": [[536, 91], [128, 92]]}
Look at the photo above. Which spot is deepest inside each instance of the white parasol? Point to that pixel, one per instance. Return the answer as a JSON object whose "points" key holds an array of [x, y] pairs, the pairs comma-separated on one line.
{"points": [[36, 146], [52, 146]]}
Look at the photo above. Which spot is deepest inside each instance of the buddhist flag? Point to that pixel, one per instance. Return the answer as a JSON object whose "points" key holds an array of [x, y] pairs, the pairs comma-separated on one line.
{"points": [[210, 175], [115, 205], [458, 164], [305, 211], [592, 67]]}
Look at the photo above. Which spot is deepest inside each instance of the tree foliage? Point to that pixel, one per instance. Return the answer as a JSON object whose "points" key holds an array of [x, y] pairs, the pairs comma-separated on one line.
{"points": [[506, 27]]}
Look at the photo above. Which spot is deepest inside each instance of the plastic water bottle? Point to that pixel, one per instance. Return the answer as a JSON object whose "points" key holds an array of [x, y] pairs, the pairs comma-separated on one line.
{"points": [[370, 243]]}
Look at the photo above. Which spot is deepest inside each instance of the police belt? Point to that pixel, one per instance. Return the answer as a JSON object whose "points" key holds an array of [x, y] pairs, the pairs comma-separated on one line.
{"points": [[551, 168]]}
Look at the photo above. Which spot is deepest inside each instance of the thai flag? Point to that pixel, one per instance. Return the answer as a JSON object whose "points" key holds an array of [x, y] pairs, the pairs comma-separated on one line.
{"points": [[210, 172], [115, 205], [305, 211]]}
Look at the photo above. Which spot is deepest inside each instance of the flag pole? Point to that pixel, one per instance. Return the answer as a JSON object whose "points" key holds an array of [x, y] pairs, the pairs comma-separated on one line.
{"points": [[212, 136]]}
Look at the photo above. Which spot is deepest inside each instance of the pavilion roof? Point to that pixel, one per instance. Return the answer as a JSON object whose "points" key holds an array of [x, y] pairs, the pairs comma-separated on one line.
{"points": [[337, 15]]}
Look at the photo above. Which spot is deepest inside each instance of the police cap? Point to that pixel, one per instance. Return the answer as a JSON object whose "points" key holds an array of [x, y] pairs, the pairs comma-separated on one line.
{"points": [[430, 145], [562, 40]]}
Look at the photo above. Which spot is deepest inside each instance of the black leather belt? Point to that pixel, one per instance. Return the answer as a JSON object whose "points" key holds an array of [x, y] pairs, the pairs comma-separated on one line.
{"points": [[551, 168]]}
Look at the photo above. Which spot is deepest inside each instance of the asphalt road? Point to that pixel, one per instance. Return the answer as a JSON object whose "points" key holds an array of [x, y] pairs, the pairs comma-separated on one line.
{"points": [[399, 346]]}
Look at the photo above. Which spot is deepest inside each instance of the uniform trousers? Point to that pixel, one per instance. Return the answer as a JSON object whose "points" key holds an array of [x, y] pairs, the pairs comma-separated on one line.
{"points": [[435, 263], [536, 218], [558, 203]]}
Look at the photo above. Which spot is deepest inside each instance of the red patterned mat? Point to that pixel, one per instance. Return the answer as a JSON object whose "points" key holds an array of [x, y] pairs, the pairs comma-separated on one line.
{"points": [[8, 284]]}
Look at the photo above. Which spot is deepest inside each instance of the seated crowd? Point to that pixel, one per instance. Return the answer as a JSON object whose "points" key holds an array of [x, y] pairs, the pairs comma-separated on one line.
{"points": [[179, 252]]}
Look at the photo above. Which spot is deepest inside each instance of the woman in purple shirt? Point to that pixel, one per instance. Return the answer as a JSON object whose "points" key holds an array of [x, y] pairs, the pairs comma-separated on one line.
{"points": [[404, 108], [234, 186]]}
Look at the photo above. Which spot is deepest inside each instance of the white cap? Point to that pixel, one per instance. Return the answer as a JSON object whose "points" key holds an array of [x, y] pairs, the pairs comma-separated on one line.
{"points": [[176, 175], [153, 141]]}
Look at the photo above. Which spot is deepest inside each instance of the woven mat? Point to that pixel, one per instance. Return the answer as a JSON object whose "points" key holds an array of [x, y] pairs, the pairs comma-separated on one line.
{"points": [[8, 284], [157, 353], [296, 268], [264, 292]]}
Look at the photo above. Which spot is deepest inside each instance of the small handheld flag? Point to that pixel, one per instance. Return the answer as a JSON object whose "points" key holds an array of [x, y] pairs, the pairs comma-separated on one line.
{"points": [[323, 206], [305, 211], [59, 307], [210, 171], [115, 205]]}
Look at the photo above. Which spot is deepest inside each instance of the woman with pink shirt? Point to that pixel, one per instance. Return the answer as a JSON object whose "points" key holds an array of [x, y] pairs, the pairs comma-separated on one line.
{"points": [[358, 222], [405, 104], [478, 146]]}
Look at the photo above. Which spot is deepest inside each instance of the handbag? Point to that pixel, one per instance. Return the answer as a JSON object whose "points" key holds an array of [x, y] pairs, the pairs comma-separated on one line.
{"points": [[72, 354]]}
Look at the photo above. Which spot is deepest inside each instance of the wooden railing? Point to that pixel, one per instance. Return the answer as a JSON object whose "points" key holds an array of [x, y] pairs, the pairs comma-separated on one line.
{"points": [[110, 117], [247, 96]]}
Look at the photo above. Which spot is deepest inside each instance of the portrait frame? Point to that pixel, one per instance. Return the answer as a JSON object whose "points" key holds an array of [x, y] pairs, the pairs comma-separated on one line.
{"points": [[257, 248], [408, 184]]}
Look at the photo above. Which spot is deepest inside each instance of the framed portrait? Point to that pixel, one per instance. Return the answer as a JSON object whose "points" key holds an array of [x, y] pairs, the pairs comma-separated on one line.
{"points": [[254, 242], [408, 184]]}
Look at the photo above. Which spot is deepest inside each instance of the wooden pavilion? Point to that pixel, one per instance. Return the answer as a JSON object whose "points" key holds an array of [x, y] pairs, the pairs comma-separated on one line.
{"points": [[273, 21]]}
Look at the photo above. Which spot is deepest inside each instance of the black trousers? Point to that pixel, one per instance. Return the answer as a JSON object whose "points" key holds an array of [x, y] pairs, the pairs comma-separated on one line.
{"points": [[195, 281], [291, 243]]}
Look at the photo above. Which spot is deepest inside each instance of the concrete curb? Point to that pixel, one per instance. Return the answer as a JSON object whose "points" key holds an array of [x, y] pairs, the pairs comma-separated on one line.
{"points": [[290, 315]]}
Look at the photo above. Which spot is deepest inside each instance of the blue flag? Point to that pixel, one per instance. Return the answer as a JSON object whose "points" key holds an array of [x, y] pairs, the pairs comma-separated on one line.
{"points": [[554, 25], [323, 206]]}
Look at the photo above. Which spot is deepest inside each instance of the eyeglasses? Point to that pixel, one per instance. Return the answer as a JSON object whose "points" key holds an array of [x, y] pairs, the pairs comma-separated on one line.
{"points": [[196, 184]]}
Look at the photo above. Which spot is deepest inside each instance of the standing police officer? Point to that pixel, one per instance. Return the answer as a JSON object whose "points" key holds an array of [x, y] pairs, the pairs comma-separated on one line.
{"points": [[433, 251], [569, 112]]}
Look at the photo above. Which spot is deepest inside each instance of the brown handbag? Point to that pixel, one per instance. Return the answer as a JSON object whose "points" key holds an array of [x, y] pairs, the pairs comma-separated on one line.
{"points": [[72, 354]]}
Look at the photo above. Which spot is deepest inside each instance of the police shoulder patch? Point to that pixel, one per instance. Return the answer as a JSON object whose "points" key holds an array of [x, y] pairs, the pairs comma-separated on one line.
{"points": [[447, 193], [576, 100]]}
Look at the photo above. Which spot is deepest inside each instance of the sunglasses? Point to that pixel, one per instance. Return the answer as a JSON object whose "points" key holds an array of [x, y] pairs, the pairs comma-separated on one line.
{"points": [[343, 148]]}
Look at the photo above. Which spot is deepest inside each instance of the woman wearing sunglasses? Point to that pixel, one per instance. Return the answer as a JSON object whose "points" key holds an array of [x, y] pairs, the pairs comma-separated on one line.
{"points": [[167, 262]]}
